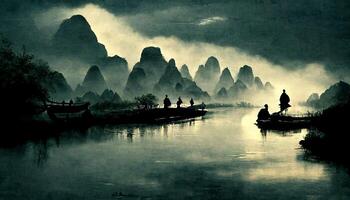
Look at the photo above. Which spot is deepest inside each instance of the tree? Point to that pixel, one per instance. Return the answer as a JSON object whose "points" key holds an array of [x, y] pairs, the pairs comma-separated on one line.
{"points": [[147, 101], [21, 82]]}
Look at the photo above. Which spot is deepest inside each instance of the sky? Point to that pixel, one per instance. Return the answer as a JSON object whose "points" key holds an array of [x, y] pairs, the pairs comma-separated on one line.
{"points": [[303, 42]]}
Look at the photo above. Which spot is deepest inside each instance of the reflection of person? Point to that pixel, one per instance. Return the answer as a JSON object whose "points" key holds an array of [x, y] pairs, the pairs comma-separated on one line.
{"points": [[179, 102], [166, 102], [284, 101], [264, 113], [191, 102]]}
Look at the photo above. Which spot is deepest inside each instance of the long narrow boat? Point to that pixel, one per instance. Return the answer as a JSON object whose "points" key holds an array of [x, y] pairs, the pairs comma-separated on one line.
{"points": [[156, 115], [80, 114], [281, 122]]}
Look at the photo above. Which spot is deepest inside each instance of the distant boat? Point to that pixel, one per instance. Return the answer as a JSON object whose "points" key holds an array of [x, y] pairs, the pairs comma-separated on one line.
{"points": [[285, 122]]}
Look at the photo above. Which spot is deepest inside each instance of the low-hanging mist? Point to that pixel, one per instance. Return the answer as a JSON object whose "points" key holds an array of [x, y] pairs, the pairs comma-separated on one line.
{"points": [[119, 38]]}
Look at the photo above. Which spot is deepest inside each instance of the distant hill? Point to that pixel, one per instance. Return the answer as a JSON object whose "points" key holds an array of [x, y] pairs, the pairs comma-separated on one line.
{"points": [[207, 75], [338, 93], [225, 80], [93, 82]]}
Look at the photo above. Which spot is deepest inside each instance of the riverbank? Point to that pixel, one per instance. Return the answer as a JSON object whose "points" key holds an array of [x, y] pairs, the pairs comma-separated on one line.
{"points": [[329, 137]]}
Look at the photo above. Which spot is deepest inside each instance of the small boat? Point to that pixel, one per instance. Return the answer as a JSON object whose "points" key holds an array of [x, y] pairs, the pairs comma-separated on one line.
{"points": [[285, 122], [64, 112]]}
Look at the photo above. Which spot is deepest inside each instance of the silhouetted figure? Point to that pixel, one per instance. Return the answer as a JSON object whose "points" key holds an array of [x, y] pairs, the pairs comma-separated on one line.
{"points": [[71, 102], [166, 102], [179, 102], [284, 101], [203, 106], [264, 113], [63, 102], [191, 102]]}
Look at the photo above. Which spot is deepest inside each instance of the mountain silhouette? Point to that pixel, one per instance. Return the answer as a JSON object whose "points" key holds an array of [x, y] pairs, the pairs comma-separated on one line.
{"points": [[237, 89], [152, 65], [258, 83], [57, 86], [208, 74], [246, 75], [268, 86], [185, 72], [135, 83], [93, 81], [75, 38], [226, 81], [338, 93], [222, 94], [115, 70]]}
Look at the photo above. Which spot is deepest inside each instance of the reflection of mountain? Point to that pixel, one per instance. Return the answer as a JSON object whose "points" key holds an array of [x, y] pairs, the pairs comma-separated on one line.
{"points": [[208, 74], [336, 94]]}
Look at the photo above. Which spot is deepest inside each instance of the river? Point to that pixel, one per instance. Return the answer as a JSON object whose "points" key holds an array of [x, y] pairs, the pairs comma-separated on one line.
{"points": [[220, 156]]}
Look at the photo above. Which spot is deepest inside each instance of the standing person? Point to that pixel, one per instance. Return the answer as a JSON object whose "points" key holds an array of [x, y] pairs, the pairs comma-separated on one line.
{"points": [[166, 102], [179, 102], [284, 101], [191, 102]]}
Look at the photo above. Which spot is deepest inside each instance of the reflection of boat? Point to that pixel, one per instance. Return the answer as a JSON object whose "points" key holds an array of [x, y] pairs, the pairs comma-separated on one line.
{"points": [[284, 122], [67, 111], [157, 115]]}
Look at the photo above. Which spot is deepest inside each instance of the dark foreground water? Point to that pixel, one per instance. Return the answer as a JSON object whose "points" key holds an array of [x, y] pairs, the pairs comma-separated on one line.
{"points": [[223, 156]]}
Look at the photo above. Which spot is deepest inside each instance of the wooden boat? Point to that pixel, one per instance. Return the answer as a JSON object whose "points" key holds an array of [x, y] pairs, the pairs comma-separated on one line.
{"points": [[156, 115], [64, 112], [283, 122]]}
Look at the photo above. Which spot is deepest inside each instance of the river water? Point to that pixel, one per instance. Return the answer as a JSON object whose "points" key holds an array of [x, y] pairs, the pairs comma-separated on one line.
{"points": [[220, 156]]}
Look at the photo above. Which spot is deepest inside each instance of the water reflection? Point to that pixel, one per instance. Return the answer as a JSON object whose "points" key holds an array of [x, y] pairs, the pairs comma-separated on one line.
{"points": [[223, 156]]}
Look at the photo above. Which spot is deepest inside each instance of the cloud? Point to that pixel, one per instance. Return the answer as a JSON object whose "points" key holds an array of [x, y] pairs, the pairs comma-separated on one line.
{"points": [[120, 38], [288, 33], [210, 20]]}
